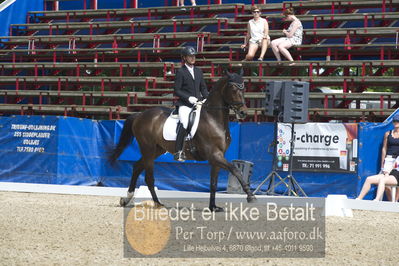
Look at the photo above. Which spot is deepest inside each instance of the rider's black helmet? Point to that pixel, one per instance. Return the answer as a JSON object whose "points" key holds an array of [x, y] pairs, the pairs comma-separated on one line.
{"points": [[188, 50]]}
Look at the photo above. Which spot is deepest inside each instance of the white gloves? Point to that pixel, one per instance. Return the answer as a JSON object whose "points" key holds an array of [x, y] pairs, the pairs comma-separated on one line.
{"points": [[192, 100]]}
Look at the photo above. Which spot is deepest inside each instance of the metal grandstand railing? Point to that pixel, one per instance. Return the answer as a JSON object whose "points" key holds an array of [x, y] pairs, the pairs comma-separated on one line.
{"points": [[107, 63]]}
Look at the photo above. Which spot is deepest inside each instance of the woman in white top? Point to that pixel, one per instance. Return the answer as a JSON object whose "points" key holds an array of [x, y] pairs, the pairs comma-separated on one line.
{"points": [[389, 174], [293, 37], [257, 35]]}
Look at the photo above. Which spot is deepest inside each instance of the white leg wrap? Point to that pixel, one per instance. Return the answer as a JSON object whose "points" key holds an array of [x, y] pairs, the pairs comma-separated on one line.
{"points": [[131, 202]]}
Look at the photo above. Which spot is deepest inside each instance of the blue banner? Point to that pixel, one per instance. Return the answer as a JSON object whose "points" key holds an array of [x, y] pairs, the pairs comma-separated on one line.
{"points": [[60, 150], [78, 152], [28, 148]]}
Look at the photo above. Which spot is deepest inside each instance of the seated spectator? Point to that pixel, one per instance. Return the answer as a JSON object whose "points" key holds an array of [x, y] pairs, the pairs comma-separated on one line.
{"points": [[293, 36], [389, 164], [257, 35]]}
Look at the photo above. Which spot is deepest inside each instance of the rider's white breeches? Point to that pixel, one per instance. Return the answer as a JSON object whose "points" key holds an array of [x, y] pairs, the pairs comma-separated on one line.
{"points": [[184, 113]]}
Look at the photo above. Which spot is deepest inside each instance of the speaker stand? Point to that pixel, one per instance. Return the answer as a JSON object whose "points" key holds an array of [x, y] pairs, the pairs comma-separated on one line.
{"points": [[292, 186]]}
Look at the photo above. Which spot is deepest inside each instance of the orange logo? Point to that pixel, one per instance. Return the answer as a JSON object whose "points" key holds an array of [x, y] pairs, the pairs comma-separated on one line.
{"points": [[148, 228]]}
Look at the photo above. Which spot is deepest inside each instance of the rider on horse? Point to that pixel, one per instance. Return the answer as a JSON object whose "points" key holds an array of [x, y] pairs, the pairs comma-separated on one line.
{"points": [[190, 88]]}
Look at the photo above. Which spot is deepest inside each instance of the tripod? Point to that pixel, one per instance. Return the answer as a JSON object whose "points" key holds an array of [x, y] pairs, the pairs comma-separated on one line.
{"points": [[292, 186]]}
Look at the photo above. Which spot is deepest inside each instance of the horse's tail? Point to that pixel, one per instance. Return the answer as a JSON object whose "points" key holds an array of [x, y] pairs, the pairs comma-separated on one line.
{"points": [[124, 140]]}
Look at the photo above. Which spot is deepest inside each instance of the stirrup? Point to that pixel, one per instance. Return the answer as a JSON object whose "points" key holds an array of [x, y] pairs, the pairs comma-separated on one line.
{"points": [[180, 156]]}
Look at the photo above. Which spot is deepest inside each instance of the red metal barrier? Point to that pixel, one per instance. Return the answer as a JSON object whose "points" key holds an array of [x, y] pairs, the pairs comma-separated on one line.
{"points": [[35, 70], [59, 87], [93, 4], [102, 87], [56, 6]]}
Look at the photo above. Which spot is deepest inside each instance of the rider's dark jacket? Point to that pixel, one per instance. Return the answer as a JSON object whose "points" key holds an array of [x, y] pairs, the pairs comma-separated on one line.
{"points": [[186, 86]]}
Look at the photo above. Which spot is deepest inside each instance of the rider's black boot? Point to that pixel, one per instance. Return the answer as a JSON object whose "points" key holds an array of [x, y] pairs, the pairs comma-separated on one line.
{"points": [[181, 135]]}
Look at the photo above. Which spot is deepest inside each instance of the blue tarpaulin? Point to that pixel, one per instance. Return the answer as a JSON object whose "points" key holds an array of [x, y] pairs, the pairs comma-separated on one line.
{"points": [[370, 145], [59, 150], [15, 12]]}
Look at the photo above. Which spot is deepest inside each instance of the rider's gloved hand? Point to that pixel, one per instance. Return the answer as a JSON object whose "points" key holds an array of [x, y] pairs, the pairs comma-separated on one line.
{"points": [[192, 100]]}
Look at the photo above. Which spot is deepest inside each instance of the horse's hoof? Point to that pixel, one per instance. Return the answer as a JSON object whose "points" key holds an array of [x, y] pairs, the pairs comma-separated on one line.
{"points": [[216, 209], [124, 201], [251, 199]]}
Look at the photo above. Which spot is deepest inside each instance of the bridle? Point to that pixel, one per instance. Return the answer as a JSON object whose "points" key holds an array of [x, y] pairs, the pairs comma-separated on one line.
{"points": [[235, 106]]}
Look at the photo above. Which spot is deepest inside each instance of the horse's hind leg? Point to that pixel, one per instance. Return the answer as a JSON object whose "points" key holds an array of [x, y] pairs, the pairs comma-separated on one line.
{"points": [[137, 169]]}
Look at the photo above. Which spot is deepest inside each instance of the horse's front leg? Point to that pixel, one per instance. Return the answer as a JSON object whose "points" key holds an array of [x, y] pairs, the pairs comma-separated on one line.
{"points": [[220, 161], [213, 186]]}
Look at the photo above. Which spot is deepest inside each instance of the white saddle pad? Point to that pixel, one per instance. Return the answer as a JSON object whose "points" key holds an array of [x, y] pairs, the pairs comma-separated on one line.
{"points": [[169, 128]]}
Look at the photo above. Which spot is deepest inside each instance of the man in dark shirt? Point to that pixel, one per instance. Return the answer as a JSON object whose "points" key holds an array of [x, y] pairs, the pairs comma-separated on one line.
{"points": [[190, 87]]}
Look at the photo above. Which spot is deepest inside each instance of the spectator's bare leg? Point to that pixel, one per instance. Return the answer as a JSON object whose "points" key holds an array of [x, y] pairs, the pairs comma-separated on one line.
{"points": [[263, 49], [374, 179], [274, 45], [283, 48], [193, 2], [386, 180], [388, 193], [181, 2], [252, 48]]}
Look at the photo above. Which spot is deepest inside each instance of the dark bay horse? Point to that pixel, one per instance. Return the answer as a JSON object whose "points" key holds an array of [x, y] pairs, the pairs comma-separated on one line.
{"points": [[211, 139]]}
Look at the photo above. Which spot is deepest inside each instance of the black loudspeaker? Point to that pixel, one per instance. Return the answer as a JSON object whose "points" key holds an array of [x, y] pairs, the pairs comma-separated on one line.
{"points": [[273, 98], [288, 100], [295, 101]]}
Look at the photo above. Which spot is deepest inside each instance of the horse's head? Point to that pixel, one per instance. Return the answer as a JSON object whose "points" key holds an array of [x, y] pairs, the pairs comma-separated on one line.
{"points": [[233, 94]]}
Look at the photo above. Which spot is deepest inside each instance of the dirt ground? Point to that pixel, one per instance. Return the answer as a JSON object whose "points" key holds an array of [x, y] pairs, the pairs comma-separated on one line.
{"points": [[46, 229]]}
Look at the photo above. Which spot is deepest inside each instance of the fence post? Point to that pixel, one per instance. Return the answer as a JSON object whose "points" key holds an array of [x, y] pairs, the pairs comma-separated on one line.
{"points": [[56, 5], [93, 4]]}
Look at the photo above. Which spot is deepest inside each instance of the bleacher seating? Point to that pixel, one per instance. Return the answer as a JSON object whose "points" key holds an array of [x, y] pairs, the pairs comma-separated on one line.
{"points": [[109, 63]]}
